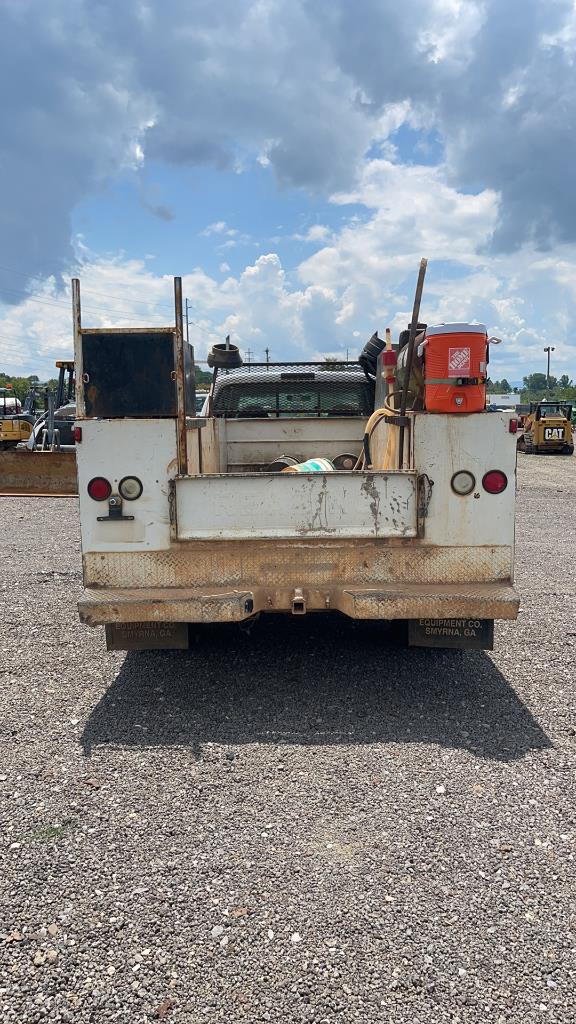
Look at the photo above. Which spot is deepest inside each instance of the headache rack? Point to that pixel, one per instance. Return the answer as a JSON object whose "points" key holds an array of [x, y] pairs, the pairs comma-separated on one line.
{"points": [[282, 390]]}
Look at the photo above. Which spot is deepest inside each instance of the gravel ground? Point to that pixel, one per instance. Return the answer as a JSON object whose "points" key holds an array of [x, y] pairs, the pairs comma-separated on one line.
{"points": [[297, 822]]}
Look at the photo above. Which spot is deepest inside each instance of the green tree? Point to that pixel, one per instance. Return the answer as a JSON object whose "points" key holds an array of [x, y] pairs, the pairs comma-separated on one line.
{"points": [[498, 387], [20, 386], [536, 382], [203, 378], [565, 382], [331, 363]]}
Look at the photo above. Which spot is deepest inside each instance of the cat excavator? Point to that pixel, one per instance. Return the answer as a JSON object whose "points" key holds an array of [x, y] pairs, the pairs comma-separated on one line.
{"points": [[39, 456], [16, 423]]}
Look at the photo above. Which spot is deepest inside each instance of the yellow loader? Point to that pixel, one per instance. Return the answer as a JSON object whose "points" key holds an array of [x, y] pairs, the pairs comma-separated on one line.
{"points": [[547, 429]]}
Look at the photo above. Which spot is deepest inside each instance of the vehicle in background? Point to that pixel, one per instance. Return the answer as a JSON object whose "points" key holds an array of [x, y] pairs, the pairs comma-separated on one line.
{"points": [[201, 399], [54, 427], [16, 423], [9, 404], [42, 457], [547, 429]]}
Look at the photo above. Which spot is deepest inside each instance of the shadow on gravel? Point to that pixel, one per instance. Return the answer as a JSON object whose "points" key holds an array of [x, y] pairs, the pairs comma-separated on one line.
{"points": [[316, 680]]}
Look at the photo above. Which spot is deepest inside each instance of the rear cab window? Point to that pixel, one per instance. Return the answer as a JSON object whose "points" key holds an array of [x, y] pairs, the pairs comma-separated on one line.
{"points": [[328, 394]]}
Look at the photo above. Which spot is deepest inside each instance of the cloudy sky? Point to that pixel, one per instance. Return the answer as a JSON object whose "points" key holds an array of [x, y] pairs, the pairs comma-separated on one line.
{"points": [[292, 160]]}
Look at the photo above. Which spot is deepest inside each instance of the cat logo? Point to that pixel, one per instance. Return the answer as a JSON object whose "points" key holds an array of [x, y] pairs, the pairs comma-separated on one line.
{"points": [[553, 433]]}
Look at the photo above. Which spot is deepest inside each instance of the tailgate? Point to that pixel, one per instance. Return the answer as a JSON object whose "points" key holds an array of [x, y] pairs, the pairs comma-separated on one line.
{"points": [[233, 505]]}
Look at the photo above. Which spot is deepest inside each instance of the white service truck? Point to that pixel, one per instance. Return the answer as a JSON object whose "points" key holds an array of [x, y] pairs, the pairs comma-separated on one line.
{"points": [[185, 518]]}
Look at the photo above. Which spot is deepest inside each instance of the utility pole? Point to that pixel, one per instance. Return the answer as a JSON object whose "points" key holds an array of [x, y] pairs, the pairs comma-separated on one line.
{"points": [[548, 350], [248, 355], [267, 353]]}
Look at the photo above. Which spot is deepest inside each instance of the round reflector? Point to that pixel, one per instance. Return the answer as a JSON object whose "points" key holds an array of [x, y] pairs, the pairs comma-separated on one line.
{"points": [[463, 482], [99, 488], [130, 487], [495, 481]]}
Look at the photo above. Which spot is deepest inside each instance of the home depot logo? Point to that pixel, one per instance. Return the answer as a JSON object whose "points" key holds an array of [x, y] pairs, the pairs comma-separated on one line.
{"points": [[458, 362]]}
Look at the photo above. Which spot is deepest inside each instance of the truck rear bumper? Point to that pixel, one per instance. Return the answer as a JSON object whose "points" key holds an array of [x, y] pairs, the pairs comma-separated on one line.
{"points": [[102, 606]]}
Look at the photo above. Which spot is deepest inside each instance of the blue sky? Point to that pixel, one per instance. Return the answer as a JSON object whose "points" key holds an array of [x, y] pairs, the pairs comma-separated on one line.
{"points": [[293, 162], [263, 217]]}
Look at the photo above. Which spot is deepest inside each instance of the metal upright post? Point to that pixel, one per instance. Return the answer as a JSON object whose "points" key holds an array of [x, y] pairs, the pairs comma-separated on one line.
{"points": [[78, 361], [182, 451]]}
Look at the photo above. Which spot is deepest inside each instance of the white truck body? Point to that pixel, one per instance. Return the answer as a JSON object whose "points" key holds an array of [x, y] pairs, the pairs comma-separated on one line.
{"points": [[227, 539]]}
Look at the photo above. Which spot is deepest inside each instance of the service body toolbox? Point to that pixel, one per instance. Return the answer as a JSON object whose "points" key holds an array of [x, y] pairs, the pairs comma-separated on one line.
{"points": [[187, 519]]}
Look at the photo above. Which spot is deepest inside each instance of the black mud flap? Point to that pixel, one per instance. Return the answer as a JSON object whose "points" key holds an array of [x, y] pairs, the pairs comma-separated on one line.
{"points": [[147, 636], [474, 633]]}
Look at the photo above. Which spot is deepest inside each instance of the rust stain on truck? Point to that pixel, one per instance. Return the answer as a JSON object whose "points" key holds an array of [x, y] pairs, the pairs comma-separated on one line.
{"points": [[370, 490]]}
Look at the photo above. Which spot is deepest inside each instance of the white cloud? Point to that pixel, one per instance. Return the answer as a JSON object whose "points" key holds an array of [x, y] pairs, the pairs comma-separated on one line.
{"points": [[452, 36], [217, 228], [305, 88], [315, 233], [528, 301], [360, 280]]}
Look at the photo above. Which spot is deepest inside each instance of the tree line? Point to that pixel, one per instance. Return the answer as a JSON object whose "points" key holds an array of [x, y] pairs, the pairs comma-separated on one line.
{"points": [[21, 386], [535, 386]]}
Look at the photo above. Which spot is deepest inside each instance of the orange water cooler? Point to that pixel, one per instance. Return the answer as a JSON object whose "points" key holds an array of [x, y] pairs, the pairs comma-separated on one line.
{"points": [[455, 359]]}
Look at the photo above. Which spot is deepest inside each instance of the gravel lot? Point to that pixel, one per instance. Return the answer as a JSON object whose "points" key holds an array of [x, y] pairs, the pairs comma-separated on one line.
{"points": [[300, 822]]}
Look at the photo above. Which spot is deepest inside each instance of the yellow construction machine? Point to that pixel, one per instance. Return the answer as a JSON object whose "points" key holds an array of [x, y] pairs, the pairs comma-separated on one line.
{"points": [[15, 424], [42, 456], [547, 429]]}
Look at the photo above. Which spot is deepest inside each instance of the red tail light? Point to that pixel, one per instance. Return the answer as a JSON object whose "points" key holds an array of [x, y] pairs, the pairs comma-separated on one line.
{"points": [[77, 434], [495, 481], [99, 488], [513, 426]]}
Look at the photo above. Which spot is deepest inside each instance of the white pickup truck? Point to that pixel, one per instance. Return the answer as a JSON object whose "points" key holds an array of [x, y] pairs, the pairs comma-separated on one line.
{"points": [[185, 519]]}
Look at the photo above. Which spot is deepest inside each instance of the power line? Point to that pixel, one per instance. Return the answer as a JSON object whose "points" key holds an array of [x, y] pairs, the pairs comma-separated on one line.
{"points": [[91, 291], [99, 310], [34, 277], [66, 305], [106, 295], [102, 311], [139, 302], [54, 304]]}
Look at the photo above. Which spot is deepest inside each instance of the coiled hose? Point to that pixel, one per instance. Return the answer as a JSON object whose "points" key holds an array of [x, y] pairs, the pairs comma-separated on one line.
{"points": [[390, 455]]}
